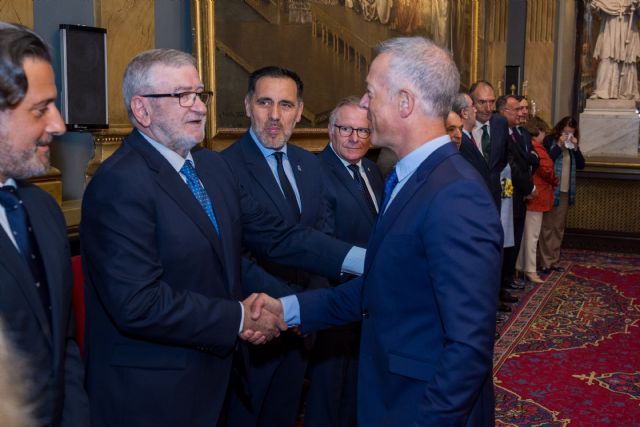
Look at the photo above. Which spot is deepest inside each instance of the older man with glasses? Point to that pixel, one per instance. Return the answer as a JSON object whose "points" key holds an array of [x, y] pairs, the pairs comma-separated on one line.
{"points": [[354, 187]]}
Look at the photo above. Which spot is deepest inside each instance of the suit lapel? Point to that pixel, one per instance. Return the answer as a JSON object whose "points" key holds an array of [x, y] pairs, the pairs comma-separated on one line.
{"points": [[374, 180], [169, 180], [15, 265], [223, 217], [346, 180], [261, 172], [306, 185], [406, 193]]}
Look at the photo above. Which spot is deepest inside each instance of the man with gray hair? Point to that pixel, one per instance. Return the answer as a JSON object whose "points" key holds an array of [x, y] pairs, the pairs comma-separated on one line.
{"points": [[162, 231], [427, 297], [463, 105], [354, 188], [35, 267]]}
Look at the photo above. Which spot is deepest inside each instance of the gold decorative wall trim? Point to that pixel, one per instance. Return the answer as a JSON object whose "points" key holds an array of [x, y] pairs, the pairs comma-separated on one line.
{"points": [[205, 53], [475, 32]]}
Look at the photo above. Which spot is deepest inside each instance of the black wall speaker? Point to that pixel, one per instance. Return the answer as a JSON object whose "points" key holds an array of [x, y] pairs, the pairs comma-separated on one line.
{"points": [[84, 77]]}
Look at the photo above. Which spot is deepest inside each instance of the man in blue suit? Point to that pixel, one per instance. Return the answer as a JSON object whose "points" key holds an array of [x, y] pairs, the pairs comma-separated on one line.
{"points": [[35, 268], [287, 181], [354, 191], [427, 297], [162, 231]]}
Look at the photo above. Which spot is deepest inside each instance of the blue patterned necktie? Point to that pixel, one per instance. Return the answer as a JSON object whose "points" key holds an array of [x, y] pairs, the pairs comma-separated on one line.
{"points": [[198, 191], [389, 185], [26, 242]]}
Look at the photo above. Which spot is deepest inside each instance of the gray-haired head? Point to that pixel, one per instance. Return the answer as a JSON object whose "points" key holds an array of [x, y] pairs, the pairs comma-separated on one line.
{"points": [[348, 101], [460, 102], [17, 43], [426, 68], [137, 76]]}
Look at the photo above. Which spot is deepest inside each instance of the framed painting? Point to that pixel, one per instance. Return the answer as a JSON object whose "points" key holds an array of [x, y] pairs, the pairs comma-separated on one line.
{"points": [[329, 43]]}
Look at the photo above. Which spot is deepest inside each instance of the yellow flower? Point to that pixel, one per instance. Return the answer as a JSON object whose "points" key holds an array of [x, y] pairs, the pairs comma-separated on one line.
{"points": [[507, 188]]}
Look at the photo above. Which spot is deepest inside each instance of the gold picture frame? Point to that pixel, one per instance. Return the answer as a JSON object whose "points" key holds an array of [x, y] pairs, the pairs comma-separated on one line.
{"points": [[312, 138]]}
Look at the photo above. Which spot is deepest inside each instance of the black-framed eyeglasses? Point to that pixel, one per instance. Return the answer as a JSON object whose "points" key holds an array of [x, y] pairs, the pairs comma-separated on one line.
{"points": [[348, 130], [185, 99]]}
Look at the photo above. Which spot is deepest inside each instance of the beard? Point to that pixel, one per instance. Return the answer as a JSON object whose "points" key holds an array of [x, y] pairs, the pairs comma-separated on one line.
{"points": [[22, 164]]}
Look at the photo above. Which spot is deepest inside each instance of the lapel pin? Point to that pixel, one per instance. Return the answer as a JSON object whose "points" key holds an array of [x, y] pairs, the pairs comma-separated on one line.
{"points": [[299, 168]]}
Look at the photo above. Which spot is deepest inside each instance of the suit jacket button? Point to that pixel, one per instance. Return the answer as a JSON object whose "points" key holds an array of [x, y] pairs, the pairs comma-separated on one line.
{"points": [[365, 314]]}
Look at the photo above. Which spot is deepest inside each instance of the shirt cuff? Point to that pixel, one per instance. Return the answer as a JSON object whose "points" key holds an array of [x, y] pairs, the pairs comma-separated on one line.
{"points": [[241, 317], [354, 261], [291, 310]]}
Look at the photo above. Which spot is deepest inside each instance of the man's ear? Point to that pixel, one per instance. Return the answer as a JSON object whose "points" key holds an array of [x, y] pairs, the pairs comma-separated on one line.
{"points": [[140, 110], [406, 102], [247, 104]]}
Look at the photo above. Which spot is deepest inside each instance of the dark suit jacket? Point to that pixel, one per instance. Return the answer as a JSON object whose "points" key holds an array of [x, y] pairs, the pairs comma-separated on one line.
{"points": [[352, 217], [524, 138], [470, 151], [54, 368], [254, 174], [499, 134], [163, 289], [520, 177], [427, 301]]}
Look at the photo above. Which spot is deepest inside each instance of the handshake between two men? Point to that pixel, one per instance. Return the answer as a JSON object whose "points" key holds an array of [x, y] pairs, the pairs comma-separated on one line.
{"points": [[263, 319]]}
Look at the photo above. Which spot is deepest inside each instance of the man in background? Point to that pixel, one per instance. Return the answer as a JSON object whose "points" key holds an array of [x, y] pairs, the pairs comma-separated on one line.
{"points": [[454, 128], [463, 106], [35, 266], [354, 191], [287, 181]]}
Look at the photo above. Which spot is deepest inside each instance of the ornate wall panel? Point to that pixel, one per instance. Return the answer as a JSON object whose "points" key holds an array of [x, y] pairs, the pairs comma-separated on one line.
{"points": [[17, 11], [538, 57], [606, 205], [495, 40], [130, 30]]}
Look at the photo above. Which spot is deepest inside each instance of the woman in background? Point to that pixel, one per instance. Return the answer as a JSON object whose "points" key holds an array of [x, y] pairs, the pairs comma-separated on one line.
{"points": [[563, 148], [544, 180]]}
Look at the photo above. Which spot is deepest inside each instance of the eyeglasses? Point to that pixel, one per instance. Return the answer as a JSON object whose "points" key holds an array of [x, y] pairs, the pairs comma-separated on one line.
{"points": [[348, 130], [186, 99]]}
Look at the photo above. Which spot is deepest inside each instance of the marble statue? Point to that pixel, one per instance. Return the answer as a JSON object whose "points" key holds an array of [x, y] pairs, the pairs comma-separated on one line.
{"points": [[618, 49]]}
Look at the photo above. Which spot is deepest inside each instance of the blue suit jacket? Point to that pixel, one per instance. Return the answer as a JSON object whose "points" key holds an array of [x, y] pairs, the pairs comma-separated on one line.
{"points": [[162, 288], [55, 371], [352, 218], [255, 176], [427, 300]]}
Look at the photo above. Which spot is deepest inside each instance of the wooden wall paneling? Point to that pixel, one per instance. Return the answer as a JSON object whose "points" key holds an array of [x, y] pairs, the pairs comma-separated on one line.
{"points": [[539, 53], [19, 11], [130, 30]]}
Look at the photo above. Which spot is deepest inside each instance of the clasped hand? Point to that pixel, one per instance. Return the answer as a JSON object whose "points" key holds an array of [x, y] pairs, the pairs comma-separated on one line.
{"points": [[263, 319]]}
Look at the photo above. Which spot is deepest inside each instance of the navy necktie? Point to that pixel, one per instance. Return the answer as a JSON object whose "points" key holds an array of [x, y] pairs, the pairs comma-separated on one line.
{"points": [[27, 244], [389, 185], [363, 188], [199, 192], [285, 184]]}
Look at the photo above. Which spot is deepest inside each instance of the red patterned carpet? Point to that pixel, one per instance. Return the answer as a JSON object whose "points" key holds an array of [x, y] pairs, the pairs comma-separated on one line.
{"points": [[570, 354]]}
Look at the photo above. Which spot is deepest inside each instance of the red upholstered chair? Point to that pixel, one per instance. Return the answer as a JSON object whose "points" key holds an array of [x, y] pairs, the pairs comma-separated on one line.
{"points": [[78, 299]]}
